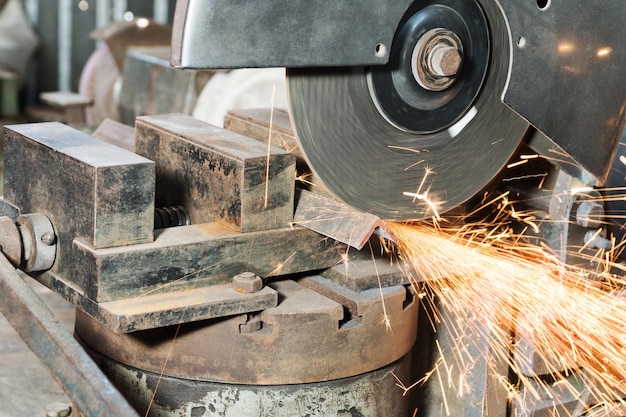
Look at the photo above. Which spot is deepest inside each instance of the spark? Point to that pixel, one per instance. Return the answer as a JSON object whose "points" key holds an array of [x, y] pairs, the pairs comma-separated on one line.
{"points": [[269, 149], [423, 195], [386, 319], [406, 389], [276, 271], [167, 359], [305, 178], [403, 148], [518, 163], [518, 292]]}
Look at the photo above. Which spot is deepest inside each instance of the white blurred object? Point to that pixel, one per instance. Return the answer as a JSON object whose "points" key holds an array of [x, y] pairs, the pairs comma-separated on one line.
{"points": [[240, 89], [18, 41]]}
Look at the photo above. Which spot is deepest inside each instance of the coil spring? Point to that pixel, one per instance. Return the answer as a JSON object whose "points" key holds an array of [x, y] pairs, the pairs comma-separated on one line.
{"points": [[171, 217]]}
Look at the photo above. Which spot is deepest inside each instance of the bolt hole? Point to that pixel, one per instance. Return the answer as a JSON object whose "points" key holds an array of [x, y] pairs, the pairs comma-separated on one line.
{"points": [[521, 42], [380, 50], [543, 4]]}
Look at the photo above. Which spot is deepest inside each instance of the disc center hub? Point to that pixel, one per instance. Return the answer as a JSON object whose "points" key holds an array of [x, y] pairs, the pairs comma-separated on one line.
{"points": [[437, 59]]}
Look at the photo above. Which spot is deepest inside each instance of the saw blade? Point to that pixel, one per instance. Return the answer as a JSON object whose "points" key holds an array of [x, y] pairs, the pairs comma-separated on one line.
{"points": [[383, 144]]}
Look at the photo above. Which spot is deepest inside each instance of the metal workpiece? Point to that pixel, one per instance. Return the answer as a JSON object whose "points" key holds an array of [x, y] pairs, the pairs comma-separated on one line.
{"points": [[116, 133], [317, 332], [373, 394], [566, 82], [337, 220], [53, 344], [193, 256], [237, 185], [284, 33]]}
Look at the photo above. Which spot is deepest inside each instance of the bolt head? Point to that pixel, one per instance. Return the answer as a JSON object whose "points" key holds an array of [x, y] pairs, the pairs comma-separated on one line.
{"points": [[445, 61], [48, 238], [590, 214], [247, 282]]}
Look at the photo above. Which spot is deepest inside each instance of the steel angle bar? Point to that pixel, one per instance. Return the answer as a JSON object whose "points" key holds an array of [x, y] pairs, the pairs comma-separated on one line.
{"points": [[53, 344], [337, 220]]}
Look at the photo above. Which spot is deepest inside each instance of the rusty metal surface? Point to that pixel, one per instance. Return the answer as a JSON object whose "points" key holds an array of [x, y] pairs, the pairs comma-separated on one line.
{"points": [[332, 218], [366, 274], [216, 174], [81, 379], [193, 256], [182, 306], [89, 189], [95, 191], [308, 337], [10, 241], [181, 268], [255, 123], [370, 395], [7, 209]]}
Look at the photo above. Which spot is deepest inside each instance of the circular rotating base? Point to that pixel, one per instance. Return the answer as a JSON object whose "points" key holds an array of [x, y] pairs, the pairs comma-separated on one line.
{"points": [[397, 150]]}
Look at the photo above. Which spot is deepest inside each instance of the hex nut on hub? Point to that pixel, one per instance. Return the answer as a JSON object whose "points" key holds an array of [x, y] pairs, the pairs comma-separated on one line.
{"points": [[247, 282]]}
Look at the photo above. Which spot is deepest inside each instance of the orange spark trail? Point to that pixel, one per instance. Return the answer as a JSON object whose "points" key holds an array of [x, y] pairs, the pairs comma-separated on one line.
{"points": [[524, 297]]}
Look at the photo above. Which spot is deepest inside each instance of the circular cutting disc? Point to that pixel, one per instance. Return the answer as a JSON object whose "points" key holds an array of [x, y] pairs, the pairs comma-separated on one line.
{"points": [[384, 144]]}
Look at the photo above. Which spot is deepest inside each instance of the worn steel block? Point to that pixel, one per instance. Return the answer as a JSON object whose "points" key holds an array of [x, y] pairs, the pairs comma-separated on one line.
{"points": [[91, 191], [216, 174], [267, 125]]}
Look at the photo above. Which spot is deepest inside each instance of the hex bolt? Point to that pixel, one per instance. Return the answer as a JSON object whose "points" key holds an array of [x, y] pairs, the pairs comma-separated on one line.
{"points": [[589, 214], [247, 282], [48, 238], [445, 61], [58, 410], [595, 240]]}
